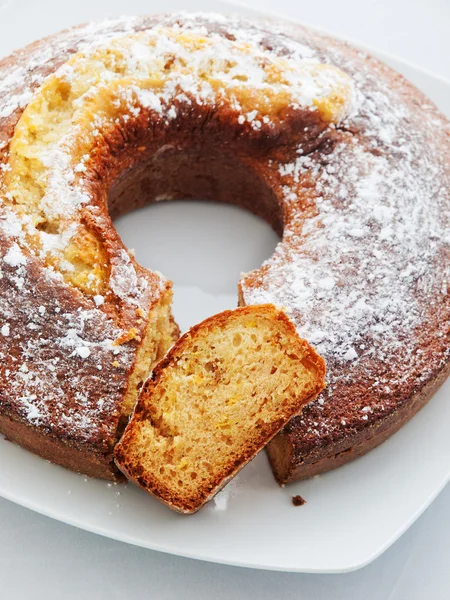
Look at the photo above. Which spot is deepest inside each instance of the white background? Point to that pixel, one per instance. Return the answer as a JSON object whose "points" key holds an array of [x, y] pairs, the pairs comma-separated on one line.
{"points": [[43, 558]]}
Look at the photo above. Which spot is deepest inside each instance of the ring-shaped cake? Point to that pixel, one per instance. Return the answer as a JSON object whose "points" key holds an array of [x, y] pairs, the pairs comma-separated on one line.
{"points": [[342, 156]]}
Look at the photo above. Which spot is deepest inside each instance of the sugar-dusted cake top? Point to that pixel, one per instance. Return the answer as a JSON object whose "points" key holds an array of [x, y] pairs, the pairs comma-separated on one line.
{"points": [[364, 265], [47, 173]]}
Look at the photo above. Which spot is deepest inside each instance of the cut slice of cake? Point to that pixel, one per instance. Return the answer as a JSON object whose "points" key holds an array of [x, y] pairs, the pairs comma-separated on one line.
{"points": [[222, 392]]}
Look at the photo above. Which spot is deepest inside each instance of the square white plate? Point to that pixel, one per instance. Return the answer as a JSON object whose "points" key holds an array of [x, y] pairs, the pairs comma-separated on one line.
{"points": [[352, 514]]}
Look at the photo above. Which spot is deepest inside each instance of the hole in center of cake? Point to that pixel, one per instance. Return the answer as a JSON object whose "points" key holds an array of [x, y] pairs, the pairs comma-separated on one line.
{"points": [[202, 246]]}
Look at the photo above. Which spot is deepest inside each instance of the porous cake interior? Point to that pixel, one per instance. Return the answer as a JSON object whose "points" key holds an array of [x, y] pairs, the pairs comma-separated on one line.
{"points": [[228, 388], [160, 334]]}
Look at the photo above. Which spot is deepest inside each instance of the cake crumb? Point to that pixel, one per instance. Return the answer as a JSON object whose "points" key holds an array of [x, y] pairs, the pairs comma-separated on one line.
{"points": [[298, 500], [127, 336]]}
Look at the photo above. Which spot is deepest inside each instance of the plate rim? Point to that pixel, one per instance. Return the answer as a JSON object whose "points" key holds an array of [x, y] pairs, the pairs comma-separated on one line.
{"points": [[158, 547]]}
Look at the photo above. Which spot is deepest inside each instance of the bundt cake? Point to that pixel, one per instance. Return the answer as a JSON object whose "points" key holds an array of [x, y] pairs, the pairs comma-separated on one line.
{"points": [[335, 150], [221, 393]]}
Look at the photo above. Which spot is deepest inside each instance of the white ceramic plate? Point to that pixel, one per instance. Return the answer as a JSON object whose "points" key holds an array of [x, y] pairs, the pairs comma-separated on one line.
{"points": [[352, 515]]}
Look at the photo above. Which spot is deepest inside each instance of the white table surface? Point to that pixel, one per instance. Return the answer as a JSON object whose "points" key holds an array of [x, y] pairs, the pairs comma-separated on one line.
{"points": [[42, 558]]}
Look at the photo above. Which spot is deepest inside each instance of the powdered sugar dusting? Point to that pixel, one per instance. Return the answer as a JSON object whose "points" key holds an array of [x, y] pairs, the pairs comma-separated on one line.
{"points": [[124, 280], [183, 62], [358, 272], [15, 257], [53, 356], [222, 499]]}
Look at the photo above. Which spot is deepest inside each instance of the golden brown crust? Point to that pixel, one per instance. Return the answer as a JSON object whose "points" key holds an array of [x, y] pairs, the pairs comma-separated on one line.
{"points": [[80, 458], [288, 468]]}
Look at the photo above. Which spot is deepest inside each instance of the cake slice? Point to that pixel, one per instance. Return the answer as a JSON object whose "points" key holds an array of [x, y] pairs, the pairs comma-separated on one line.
{"points": [[221, 393]]}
